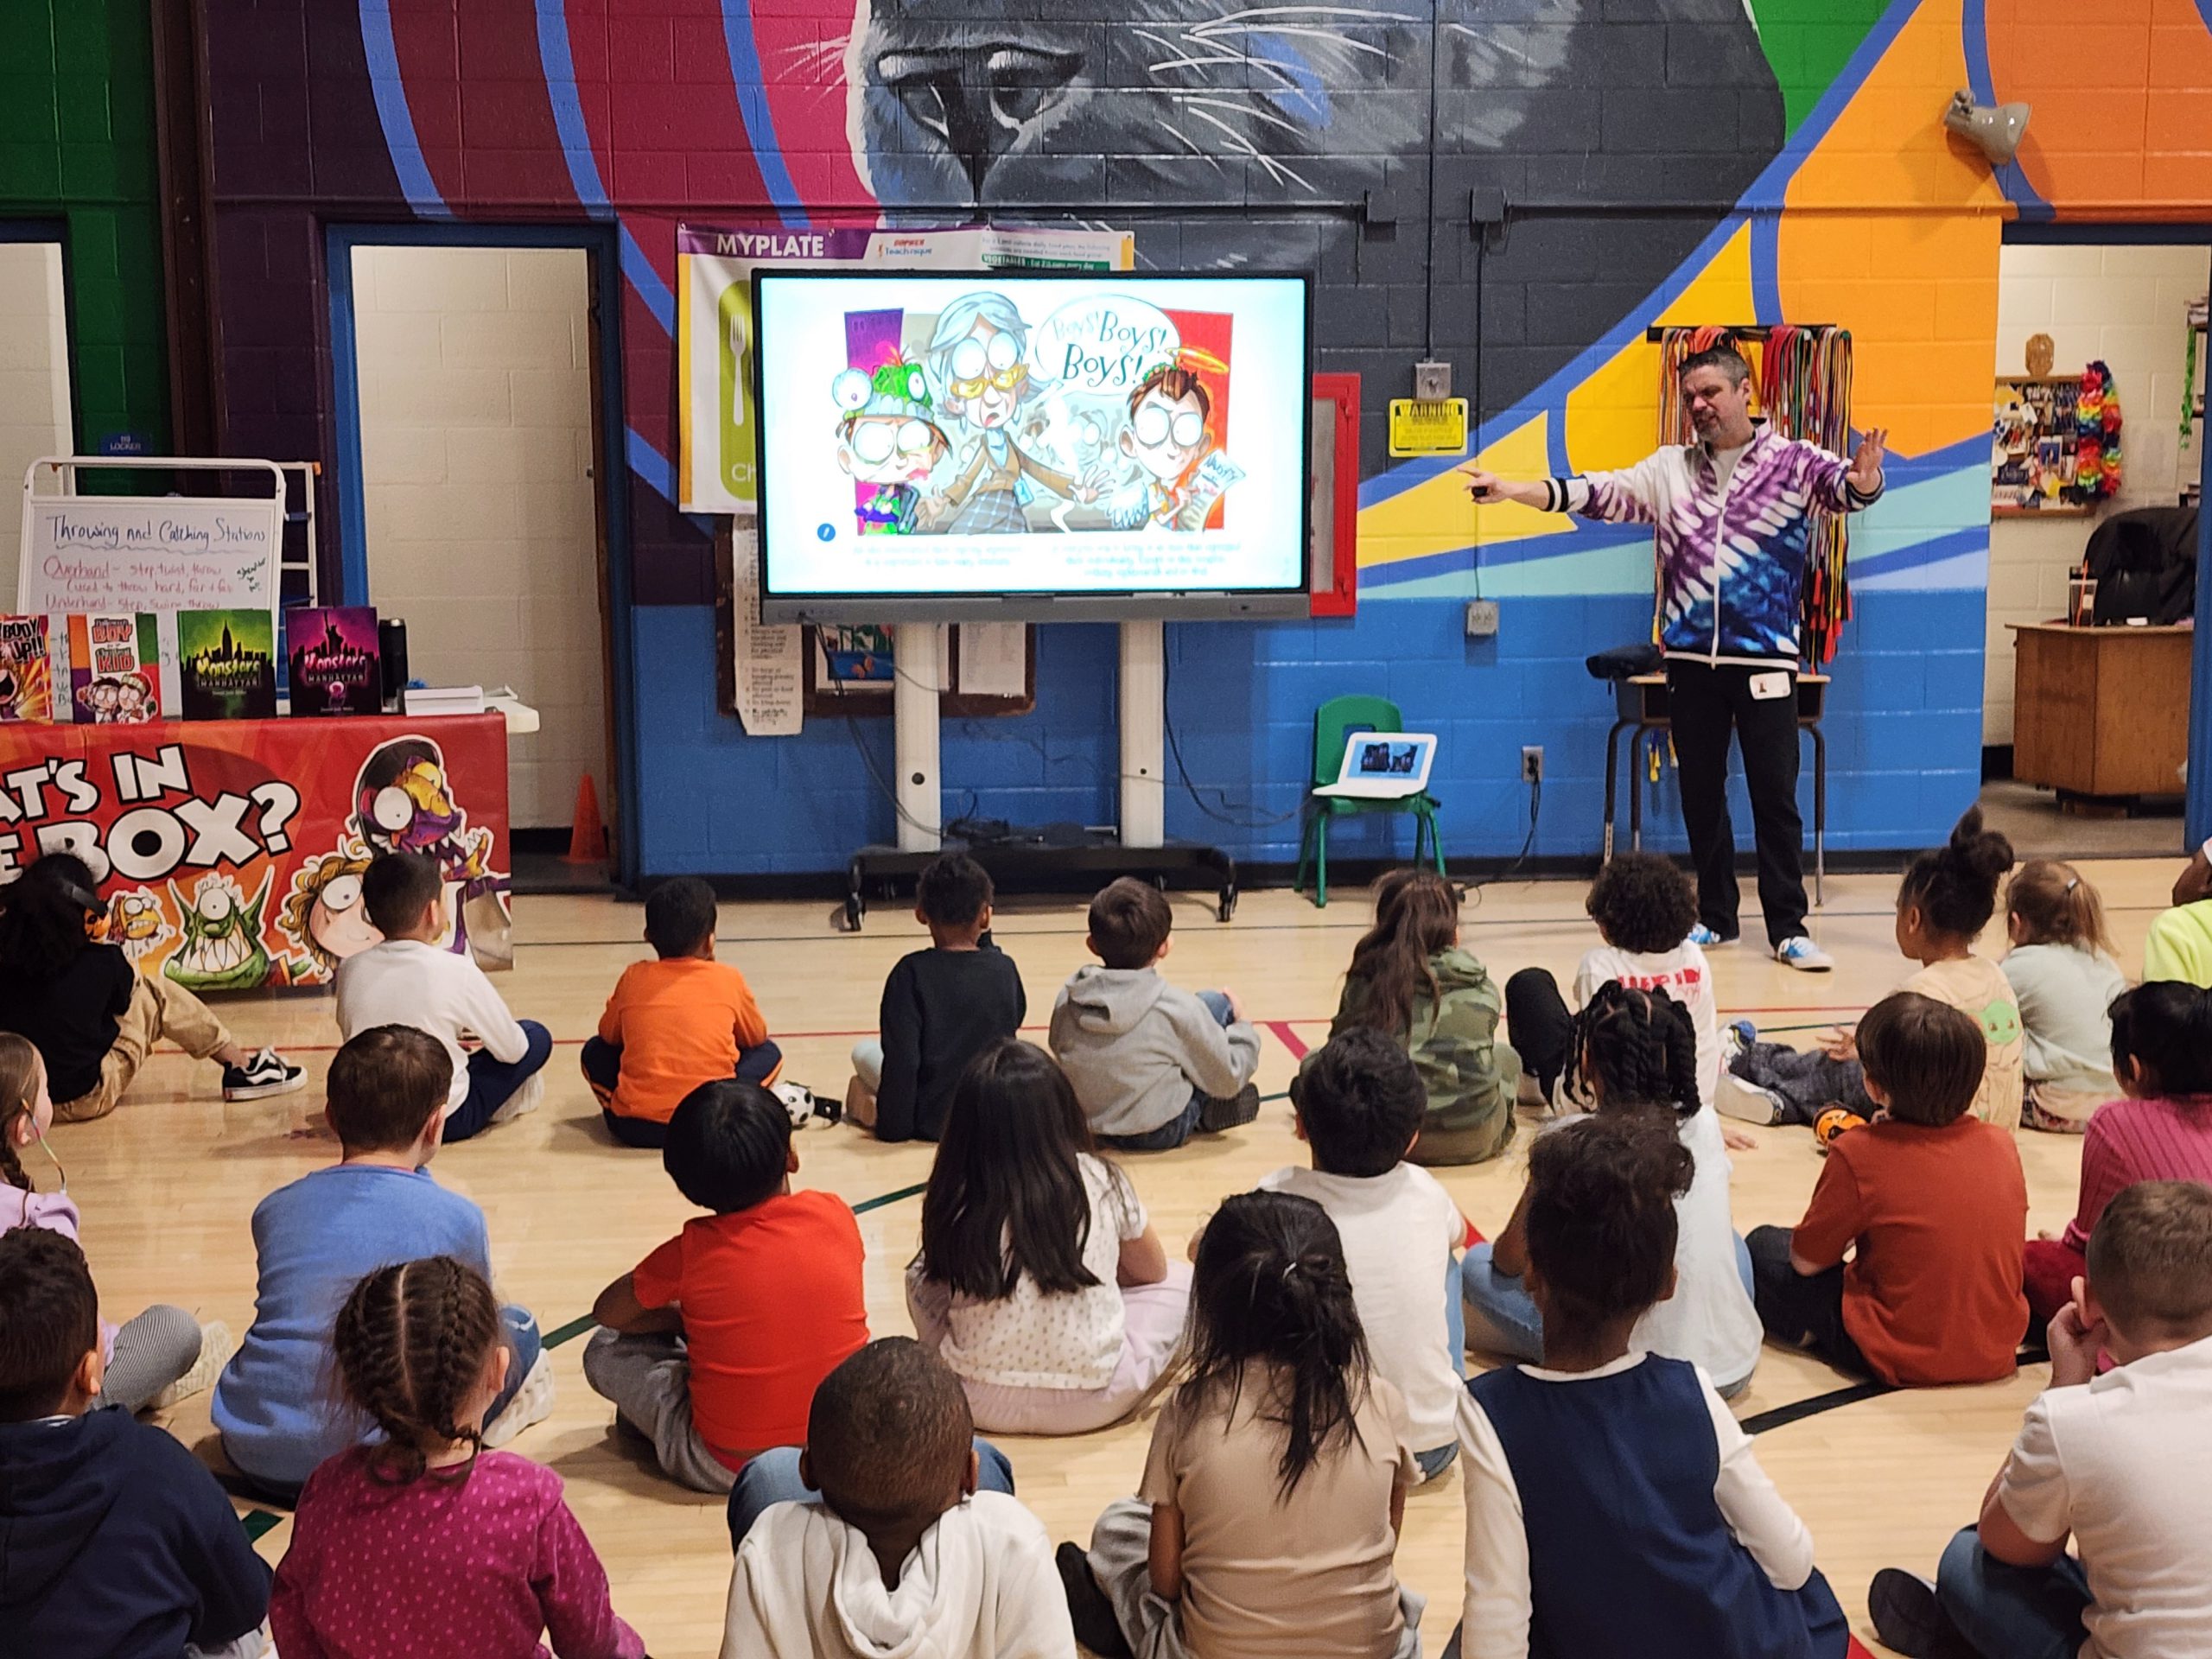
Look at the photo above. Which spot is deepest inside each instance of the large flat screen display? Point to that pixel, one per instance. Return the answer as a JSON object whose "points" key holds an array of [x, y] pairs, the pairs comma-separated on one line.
{"points": [[1033, 446]]}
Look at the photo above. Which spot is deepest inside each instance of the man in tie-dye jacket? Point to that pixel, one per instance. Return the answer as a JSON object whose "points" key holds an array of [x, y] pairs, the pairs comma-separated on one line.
{"points": [[1730, 512]]}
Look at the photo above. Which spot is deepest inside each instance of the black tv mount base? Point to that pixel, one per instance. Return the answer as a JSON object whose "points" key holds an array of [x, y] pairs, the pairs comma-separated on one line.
{"points": [[1034, 866]]}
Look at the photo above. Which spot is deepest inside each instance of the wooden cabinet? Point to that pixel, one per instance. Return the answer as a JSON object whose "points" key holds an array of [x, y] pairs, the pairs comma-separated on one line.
{"points": [[2100, 711]]}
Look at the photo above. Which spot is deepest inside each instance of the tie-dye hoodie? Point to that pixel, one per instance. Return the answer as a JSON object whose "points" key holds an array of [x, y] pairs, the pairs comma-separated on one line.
{"points": [[1732, 554]]}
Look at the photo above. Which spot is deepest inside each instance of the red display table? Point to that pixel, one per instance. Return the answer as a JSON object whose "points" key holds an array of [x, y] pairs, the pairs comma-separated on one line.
{"points": [[230, 852]]}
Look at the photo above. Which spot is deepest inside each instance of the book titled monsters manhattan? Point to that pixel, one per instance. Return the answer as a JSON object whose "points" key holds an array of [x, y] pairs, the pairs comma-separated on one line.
{"points": [[26, 668], [226, 665], [336, 665], [115, 674]]}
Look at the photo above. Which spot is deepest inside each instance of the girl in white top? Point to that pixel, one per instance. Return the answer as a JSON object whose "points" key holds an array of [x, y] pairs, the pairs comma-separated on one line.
{"points": [[1040, 1281], [1635, 1053], [2062, 973], [1644, 907]]}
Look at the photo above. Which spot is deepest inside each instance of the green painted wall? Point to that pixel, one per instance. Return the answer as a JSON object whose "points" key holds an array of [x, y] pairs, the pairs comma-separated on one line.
{"points": [[1808, 41], [76, 146]]}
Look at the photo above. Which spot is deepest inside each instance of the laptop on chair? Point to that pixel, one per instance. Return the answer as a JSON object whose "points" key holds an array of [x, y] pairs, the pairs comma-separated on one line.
{"points": [[1383, 766]]}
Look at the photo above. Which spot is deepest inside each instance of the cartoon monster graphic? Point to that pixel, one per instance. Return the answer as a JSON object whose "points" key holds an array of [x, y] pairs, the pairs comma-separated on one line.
{"points": [[134, 923], [222, 949], [322, 915], [403, 803], [1246, 113], [887, 436]]}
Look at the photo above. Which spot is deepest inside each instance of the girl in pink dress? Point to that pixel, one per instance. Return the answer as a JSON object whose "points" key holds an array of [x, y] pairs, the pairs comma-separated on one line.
{"points": [[422, 1541]]}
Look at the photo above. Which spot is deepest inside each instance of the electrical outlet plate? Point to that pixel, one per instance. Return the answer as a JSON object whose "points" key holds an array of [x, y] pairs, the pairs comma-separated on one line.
{"points": [[1481, 618], [1532, 763]]}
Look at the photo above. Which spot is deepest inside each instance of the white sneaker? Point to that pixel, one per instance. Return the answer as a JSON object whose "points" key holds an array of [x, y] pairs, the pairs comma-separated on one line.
{"points": [[1747, 1102], [216, 1344], [1705, 939], [528, 1098], [533, 1403], [1800, 953]]}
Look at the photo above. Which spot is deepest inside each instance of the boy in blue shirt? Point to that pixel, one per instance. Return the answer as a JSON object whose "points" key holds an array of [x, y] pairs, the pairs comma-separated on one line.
{"points": [[316, 1238]]}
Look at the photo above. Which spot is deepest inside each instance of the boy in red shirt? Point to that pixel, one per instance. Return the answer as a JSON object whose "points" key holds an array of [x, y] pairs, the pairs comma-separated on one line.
{"points": [[675, 1023], [1935, 1202], [712, 1347]]}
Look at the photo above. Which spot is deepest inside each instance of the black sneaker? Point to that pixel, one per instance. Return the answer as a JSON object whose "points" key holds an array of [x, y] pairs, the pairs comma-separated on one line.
{"points": [[265, 1073], [1908, 1617], [1218, 1115], [1089, 1610]]}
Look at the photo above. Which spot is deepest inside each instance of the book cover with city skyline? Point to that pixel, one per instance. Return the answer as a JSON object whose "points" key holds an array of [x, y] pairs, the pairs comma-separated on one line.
{"points": [[226, 665], [333, 665]]}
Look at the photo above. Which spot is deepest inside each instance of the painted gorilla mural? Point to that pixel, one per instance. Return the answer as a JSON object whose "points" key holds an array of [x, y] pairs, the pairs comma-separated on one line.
{"points": [[1621, 129]]}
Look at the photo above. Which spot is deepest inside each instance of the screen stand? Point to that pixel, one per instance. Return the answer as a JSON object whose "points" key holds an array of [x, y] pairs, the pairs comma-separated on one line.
{"points": [[1062, 856], [1144, 711], [919, 672]]}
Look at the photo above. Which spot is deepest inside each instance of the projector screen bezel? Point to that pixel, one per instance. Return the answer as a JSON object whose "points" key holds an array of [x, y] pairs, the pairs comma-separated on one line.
{"points": [[1018, 606]]}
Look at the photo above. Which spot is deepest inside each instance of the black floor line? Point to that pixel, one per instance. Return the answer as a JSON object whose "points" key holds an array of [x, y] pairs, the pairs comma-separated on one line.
{"points": [[1798, 1410]]}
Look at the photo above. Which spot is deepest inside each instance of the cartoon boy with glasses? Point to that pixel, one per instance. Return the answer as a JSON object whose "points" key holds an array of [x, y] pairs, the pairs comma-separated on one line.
{"points": [[1167, 437], [888, 438]]}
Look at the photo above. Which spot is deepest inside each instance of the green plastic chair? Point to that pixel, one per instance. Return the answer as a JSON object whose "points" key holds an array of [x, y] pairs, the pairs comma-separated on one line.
{"points": [[1333, 721]]}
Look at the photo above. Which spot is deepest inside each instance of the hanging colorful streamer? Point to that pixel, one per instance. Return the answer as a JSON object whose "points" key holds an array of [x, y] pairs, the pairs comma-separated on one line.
{"points": [[1801, 380], [2096, 436]]}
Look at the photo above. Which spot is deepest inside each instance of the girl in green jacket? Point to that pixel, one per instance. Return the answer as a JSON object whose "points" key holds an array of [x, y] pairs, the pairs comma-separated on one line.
{"points": [[1410, 979]]}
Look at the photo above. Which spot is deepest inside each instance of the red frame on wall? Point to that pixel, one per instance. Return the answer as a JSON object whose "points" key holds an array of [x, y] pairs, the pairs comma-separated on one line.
{"points": [[1336, 593]]}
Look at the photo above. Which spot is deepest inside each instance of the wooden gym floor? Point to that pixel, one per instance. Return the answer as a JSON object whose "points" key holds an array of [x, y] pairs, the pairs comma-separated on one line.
{"points": [[168, 1184]]}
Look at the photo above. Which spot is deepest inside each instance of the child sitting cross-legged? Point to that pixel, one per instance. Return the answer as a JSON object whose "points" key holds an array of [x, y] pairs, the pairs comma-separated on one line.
{"points": [[673, 1023], [2160, 1131], [409, 979], [422, 1540], [1614, 1508], [2120, 1463], [154, 1358], [941, 1008], [1411, 980], [1945, 900], [1360, 1106], [1634, 1053], [1151, 1063], [93, 1016], [314, 1240], [113, 1538], [1268, 1517], [894, 1533], [712, 1346], [1932, 1205], [1040, 1281], [1645, 908], [2062, 971]]}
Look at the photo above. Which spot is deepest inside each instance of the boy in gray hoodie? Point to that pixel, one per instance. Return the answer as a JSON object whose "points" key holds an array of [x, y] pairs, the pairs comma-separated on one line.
{"points": [[1151, 1063]]}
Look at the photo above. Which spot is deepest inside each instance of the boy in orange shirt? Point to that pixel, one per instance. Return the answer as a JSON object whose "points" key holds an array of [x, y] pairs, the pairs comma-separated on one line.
{"points": [[711, 1347], [1933, 1205], [675, 1023]]}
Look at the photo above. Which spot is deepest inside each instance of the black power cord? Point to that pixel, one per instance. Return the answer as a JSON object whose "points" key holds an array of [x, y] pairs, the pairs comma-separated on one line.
{"points": [[1528, 842], [1245, 817]]}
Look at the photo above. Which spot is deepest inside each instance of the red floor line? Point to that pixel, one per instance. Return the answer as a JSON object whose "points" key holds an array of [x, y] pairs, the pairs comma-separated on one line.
{"points": [[1289, 1037]]}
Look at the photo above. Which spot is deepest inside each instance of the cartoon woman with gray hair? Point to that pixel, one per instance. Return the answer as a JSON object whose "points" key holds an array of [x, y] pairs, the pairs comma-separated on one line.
{"points": [[977, 359]]}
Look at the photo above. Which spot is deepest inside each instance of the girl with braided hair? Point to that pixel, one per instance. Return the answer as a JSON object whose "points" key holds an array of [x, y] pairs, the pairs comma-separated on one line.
{"points": [[153, 1360], [1635, 1054], [1268, 1513], [420, 1541]]}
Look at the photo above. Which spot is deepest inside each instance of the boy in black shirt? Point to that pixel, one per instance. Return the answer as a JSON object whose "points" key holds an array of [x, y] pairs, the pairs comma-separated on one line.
{"points": [[118, 1542], [941, 1008]]}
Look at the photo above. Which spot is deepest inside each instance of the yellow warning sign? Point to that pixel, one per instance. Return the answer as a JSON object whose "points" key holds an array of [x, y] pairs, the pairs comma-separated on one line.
{"points": [[1424, 428]]}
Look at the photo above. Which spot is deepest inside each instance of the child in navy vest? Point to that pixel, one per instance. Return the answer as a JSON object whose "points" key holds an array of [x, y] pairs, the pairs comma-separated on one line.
{"points": [[1614, 1508]]}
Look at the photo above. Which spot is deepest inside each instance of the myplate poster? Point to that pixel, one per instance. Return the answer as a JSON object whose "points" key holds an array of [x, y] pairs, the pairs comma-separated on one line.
{"points": [[716, 441]]}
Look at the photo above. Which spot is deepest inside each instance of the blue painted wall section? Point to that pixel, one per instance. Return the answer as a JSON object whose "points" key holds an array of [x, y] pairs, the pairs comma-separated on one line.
{"points": [[1903, 728]]}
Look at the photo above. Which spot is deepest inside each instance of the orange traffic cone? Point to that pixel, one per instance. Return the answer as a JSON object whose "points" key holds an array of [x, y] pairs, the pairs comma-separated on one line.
{"points": [[587, 835]]}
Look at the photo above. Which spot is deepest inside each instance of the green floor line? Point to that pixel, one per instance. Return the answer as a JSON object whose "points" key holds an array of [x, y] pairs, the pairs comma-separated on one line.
{"points": [[569, 1332], [259, 1524], [913, 1191]]}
